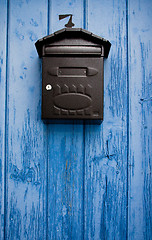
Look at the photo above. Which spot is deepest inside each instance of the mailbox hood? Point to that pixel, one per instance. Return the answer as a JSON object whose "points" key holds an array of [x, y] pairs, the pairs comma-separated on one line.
{"points": [[72, 37]]}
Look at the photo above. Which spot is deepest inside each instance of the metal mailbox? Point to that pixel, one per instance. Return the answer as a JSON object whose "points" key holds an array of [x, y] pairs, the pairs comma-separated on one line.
{"points": [[72, 74]]}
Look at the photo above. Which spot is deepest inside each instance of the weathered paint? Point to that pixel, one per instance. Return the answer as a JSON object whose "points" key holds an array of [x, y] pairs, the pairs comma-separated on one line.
{"points": [[3, 53], [26, 150], [106, 145], [76, 181], [140, 128]]}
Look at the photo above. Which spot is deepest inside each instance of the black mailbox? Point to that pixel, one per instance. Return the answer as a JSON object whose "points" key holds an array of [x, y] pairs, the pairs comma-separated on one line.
{"points": [[72, 74]]}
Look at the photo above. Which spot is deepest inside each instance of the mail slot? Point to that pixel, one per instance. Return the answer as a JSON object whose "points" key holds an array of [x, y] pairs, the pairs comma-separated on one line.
{"points": [[72, 75]]}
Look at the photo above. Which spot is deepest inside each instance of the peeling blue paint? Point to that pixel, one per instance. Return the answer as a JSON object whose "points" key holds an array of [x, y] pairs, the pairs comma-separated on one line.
{"points": [[76, 181], [26, 175]]}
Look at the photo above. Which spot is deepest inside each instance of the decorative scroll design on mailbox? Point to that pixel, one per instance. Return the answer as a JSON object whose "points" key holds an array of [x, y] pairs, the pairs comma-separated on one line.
{"points": [[72, 74], [72, 100]]}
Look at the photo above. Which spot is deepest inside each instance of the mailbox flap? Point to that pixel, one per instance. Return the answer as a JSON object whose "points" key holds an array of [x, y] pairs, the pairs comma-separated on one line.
{"points": [[77, 40], [73, 50]]}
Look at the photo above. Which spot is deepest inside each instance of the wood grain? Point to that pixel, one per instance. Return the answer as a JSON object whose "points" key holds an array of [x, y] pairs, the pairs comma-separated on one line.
{"points": [[65, 154], [106, 145], [76, 181], [3, 53], [26, 149], [140, 91]]}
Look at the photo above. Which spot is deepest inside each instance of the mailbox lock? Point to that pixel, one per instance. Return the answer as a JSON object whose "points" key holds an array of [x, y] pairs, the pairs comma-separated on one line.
{"points": [[48, 87]]}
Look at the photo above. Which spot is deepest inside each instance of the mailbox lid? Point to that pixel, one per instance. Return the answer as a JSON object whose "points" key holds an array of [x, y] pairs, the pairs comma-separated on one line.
{"points": [[72, 37], [50, 50]]}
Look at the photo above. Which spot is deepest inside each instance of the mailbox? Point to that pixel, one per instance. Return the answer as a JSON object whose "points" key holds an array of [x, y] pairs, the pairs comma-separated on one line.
{"points": [[72, 74]]}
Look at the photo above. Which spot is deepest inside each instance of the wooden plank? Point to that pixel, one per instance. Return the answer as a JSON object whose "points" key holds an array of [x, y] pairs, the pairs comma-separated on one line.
{"points": [[3, 46], [106, 145], [26, 142], [140, 82], [74, 7], [65, 151]]}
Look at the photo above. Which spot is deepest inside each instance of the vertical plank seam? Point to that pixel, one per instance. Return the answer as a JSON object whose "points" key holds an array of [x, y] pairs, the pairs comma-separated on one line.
{"points": [[85, 26], [85, 14], [83, 198], [6, 124], [47, 129], [127, 58], [48, 17], [47, 183]]}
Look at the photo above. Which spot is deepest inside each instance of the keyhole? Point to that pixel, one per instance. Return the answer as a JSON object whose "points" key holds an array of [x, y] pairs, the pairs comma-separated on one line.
{"points": [[48, 87]]}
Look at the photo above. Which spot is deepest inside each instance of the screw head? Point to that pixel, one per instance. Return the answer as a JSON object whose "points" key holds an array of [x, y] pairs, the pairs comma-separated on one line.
{"points": [[48, 87]]}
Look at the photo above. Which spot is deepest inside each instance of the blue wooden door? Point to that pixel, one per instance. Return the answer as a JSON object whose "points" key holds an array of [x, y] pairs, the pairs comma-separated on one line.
{"points": [[76, 181]]}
